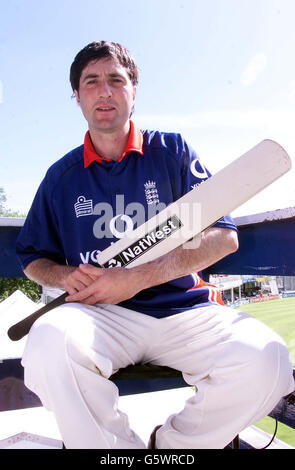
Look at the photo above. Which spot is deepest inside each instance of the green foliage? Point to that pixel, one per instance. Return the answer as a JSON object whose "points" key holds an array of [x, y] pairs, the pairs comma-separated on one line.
{"points": [[9, 285], [2, 201], [7, 212], [11, 213]]}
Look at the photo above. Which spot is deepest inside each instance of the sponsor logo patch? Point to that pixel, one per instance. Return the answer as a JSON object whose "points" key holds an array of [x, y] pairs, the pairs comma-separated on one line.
{"points": [[145, 243], [151, 192], [83, 206]]}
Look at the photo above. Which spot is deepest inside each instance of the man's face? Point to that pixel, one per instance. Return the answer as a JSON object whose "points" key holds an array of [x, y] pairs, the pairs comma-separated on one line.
{"points": [[106, 95]]}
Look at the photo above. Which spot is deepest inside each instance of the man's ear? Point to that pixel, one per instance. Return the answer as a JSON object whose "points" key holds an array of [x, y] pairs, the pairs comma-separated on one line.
{"points": [[77, 96]]}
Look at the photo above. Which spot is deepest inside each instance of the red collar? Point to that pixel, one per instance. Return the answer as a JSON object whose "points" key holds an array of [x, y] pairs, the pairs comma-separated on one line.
{"points": [[134, 144]]}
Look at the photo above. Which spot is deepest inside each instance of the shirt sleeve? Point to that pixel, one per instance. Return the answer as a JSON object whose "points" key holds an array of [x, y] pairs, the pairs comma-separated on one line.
{"points": [[194, 173], [39, 237]]}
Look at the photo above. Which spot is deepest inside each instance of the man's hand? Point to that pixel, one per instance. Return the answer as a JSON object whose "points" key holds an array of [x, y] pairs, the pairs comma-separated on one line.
{"points": [[107, 286], [114, 285], [77, 280], [89, 284]]}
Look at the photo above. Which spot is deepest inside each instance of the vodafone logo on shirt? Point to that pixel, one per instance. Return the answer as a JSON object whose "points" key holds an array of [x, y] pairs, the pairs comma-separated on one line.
{"points": [[124, 220], [198, 169], [118, 221]]}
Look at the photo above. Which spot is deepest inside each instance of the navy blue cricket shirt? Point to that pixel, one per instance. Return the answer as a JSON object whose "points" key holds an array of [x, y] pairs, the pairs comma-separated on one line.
{"points": [[86, 202]]}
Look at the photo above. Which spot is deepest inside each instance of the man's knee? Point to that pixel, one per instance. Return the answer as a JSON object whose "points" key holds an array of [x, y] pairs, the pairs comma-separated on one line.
{"points": [[45, 347], [272, 372]]}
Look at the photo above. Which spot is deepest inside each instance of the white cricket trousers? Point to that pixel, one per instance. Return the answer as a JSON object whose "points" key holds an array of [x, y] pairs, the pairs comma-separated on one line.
{"points": [[240, 367]]}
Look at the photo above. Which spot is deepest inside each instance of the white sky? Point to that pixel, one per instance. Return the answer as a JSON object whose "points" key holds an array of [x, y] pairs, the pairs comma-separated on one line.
{"points": [[221, 72]]}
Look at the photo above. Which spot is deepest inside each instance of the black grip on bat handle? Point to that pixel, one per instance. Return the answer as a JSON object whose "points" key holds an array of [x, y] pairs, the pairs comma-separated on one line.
{"points": [[22, 328]]}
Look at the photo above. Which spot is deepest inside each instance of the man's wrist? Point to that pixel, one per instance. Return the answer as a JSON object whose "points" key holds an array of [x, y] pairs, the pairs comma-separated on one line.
{"points": [[48, 273], [148, 275]]}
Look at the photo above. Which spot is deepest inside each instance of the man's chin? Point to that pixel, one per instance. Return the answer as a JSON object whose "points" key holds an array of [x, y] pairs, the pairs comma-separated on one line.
{"points": [[108, 125]]}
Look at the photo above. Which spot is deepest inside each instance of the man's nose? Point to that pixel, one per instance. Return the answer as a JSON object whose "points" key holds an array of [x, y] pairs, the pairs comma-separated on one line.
{"points": [[104, 90]]}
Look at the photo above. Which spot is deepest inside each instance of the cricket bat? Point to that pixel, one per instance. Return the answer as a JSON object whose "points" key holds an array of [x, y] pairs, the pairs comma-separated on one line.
{"points": [[213, 199], [201, 207]]}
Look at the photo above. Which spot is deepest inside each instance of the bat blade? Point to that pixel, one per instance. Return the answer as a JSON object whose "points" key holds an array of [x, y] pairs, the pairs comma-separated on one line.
{"points": [[216, 197]]}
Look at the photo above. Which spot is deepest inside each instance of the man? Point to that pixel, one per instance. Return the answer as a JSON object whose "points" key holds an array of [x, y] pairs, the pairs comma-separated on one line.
{"points": [[161, 312]]}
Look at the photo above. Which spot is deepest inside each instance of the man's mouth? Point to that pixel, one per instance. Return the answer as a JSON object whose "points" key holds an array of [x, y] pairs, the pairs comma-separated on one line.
{"points": [[105, 108]]}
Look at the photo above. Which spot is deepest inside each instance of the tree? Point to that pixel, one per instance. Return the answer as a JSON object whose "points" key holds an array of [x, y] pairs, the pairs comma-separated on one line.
{"points": [[7, 285], [2, 201], [29, 288], [7, 212]]}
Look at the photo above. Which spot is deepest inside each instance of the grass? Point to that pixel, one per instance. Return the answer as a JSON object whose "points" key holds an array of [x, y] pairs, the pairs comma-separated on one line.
{"points": [[280, 316]]}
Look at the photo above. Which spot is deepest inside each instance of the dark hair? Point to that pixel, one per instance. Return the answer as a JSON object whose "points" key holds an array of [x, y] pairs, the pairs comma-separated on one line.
{"points": [[101, 50]]}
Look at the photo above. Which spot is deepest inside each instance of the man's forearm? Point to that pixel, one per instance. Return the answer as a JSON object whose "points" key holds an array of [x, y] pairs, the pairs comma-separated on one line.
{"points": [[215, 244], [114, 285], [48, 273], [90, 284]]}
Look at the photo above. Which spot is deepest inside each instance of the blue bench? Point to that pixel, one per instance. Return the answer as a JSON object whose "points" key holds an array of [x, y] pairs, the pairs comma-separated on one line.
{"points": [[266, 248]]}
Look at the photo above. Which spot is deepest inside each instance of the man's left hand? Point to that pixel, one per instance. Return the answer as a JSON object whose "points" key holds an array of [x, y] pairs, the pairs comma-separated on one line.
{"points": [[109, 286]]}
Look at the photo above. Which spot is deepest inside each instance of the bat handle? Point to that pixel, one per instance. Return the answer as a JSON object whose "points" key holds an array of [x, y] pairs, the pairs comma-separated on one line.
{"points": [[22, 328]]}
